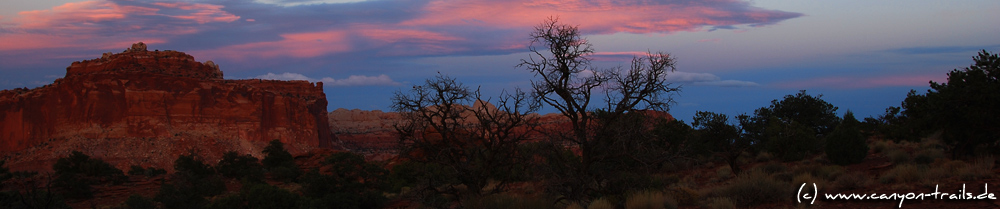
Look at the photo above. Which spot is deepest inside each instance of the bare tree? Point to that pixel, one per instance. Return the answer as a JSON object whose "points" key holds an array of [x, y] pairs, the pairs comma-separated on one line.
{"points": [[567, 82], [472, 142]]}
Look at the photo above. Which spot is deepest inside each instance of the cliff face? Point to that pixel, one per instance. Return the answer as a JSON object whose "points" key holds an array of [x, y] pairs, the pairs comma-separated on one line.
{"points": [[163, 96]]}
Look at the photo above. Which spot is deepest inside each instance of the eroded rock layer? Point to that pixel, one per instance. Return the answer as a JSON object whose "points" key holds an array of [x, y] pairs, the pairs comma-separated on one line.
{"points": [[165, 98]]}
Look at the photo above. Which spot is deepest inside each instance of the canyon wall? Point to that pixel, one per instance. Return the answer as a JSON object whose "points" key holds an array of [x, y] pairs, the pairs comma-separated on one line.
{"points": [[159, 96]]}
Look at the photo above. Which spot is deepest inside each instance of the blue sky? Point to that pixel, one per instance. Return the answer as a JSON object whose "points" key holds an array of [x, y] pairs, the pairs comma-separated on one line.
{"points": [[733, 56]]}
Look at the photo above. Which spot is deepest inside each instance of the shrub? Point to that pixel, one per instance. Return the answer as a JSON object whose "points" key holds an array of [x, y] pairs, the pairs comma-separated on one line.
{"points": [[258, 196], [503, 201], [826, 172], [790, 141], [192, 182], [136, 201], [683, 196], [880, 146], [808, 179], [277, 156], [193, 166], [723, 172], [764, 156], [898, 156], [136, 170], [846, 145], [574, 206], [353, 183], [773, 167], [927, 156], [76, 172], [32, 198], [905, 173], [721, 203], [279, 163], [234, 165], [982, 168], [754, 187], [153, 172], [649, 200], [852, 180], [173, 197], [601, 203]]}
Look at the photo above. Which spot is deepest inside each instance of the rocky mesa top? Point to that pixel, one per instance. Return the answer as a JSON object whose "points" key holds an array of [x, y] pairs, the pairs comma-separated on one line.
{"points": [[137, 59]]}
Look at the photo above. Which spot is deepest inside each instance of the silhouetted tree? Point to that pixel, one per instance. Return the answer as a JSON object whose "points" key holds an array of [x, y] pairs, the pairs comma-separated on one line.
{"points": [[790, 120], [192, 181], [568, 83], [279, 163], [352, 183], [443, 126], [721, 138], [76, 172], [964, 109], [234, 165], [846, 145]]}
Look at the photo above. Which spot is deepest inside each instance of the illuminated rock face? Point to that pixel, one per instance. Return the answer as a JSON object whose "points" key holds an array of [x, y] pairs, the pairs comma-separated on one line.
{"points": [[163, 96]]}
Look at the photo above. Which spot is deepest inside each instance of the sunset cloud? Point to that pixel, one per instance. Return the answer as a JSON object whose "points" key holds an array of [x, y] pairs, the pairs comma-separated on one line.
{"points": [[353, 80], [706, 79], [390, 28], [99, 24]]}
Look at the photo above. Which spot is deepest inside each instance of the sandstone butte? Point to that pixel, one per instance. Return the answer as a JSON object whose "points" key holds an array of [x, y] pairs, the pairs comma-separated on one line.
{"points": [[142, 107]]}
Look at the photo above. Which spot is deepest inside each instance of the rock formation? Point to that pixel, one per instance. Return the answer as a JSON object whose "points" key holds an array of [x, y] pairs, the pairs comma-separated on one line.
{"points": [[146, 107]]}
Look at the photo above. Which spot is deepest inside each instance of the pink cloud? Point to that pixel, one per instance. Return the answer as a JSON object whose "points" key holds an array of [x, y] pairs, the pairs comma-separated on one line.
{"points": [[100, 24], [295, 45], [201, 13], [408, 41], [601, 17], [861, 82]]}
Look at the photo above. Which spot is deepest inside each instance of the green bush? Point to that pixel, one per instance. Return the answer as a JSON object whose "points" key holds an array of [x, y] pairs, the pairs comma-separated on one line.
{"points": [[77, 172], [353, 183], [191, 165], [259, 196], [192, 181], [275, 155], [279, 163], [180, 198], [964, 108], [846, 145], [790, 141], [238, 166], [136, 170]]}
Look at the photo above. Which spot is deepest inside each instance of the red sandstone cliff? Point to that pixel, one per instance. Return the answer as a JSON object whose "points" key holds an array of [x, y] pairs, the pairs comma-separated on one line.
{"points": [[147, 107]]}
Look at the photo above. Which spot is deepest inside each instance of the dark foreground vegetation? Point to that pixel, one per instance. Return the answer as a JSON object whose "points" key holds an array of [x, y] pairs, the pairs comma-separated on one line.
{"points": [[610, 153]]}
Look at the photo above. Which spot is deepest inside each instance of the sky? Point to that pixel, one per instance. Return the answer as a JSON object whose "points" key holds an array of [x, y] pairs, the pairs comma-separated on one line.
{"points": [[733, 56]]}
